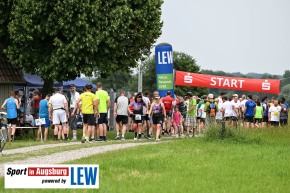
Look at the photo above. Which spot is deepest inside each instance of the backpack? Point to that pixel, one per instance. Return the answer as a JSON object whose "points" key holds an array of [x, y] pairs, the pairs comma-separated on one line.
{"points": [[212, 109]]}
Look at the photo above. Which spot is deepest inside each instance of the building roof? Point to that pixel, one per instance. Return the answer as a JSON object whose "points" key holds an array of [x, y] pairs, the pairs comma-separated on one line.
{"points": [[9, 73]]}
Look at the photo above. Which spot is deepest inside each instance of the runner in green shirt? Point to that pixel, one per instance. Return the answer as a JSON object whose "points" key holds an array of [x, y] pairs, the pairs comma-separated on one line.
{"points": [[258, 114], [191, 114]]}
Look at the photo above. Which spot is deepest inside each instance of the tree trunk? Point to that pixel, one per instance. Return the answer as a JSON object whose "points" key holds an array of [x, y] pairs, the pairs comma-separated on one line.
{"points": [[47, 87]]}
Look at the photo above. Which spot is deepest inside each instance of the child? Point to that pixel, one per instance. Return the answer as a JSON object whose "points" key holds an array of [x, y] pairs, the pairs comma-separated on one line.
{"points": [[176, 121]]}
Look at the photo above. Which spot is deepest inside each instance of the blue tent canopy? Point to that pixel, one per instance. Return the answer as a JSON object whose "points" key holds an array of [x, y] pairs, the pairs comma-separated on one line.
{"points": [[78, 82], [33, 80]]}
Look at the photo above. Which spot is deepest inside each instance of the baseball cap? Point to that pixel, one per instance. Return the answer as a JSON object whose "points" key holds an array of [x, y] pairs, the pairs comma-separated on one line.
{"points": [[210, 96], [235, 95], [168, 92]]}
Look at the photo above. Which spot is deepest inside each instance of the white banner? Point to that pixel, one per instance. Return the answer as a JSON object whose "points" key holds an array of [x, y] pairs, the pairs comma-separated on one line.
{"points": [[51, 176]]}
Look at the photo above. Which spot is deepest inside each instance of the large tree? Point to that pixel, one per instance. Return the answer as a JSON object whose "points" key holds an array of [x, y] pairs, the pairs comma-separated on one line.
{"points": [[59, 40], [5, 15], [181, 61]]}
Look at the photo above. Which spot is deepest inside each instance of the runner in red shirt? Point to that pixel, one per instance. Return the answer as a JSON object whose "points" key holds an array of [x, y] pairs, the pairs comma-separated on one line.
{"points": [[168, 103]]}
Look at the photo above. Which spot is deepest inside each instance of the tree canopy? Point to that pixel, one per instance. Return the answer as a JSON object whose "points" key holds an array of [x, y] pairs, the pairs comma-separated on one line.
{"points": [[59, 40]]}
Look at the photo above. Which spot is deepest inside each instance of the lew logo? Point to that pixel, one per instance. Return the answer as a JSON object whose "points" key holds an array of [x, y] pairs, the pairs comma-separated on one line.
{"points": [[84, 175], [266, 85], [51, 176], [165, 57], [188, 78]]}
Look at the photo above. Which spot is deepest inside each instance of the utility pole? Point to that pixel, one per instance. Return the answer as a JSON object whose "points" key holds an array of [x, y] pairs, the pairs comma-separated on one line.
{"points": [[140, 77]]}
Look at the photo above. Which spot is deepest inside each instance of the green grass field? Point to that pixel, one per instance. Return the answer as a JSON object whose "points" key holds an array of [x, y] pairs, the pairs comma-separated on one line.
{"points": [[238, 161]]}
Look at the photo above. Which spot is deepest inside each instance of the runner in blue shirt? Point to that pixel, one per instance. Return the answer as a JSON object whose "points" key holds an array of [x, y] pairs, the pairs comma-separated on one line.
{"points": [[265, 105], [11, 105], [249, 112], [43, 113]]}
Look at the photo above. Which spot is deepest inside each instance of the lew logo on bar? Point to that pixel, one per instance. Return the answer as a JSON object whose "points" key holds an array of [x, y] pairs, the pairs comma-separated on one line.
{"points": [[51, 176]]}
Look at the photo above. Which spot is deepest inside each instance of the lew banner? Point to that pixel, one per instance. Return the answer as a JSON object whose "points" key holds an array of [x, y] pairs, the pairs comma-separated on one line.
{"points": [[231, 83], [51, 176], [164, 69]]}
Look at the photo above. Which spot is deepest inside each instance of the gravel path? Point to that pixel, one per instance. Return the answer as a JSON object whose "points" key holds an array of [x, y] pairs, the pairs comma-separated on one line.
{"points": [[37, 147], [66, 155]]}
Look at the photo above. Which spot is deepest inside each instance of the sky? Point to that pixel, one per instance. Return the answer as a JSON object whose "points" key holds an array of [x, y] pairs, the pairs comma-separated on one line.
{"points": [[230, 35]]}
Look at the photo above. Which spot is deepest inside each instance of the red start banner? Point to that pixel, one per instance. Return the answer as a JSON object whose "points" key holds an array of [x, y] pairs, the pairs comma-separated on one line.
{"points": [[231, 83]]}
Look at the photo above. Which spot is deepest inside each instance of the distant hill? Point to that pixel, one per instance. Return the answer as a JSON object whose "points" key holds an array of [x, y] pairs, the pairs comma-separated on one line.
{"points": [[257, 75], [238, 74]]}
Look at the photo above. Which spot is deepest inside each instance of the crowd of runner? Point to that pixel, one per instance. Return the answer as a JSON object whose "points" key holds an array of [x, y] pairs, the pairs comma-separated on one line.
{"points": [[146, 114], [191, 115]]}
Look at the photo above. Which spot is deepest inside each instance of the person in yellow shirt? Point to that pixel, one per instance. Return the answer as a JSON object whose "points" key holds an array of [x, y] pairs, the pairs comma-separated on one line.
{"points": [[89, 111], [103, 101]]}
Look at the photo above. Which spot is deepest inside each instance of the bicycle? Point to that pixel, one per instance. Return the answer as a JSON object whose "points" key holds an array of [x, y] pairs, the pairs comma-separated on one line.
{"points": [[3, 131]]}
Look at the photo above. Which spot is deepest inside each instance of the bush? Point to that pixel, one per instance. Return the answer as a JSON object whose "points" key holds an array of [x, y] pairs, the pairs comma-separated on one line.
{"points": [[231, 134]]}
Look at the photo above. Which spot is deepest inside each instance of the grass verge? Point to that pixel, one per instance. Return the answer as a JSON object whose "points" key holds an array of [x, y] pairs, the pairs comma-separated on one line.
{"points": [[197, 165]]}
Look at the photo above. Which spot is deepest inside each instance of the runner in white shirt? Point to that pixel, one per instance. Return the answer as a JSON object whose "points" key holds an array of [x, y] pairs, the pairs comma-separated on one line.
{"points": [[58, 112], [219, 114], [242, 107], [202, 118], [235, 109], [274, 114], [227, 110]]}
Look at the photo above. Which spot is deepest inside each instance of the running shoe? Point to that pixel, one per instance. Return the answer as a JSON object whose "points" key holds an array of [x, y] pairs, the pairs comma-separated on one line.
{"points": [[99, 139], [135, 138], [83, 140], [117, 137], [148, 136], [123, 139]]}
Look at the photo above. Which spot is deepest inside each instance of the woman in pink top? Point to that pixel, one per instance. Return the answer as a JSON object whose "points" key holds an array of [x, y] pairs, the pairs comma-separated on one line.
{"points": [[176, 121]]}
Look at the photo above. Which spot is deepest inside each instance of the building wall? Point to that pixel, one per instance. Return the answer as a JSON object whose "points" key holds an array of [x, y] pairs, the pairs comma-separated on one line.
{"points": [[4, 92]]}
